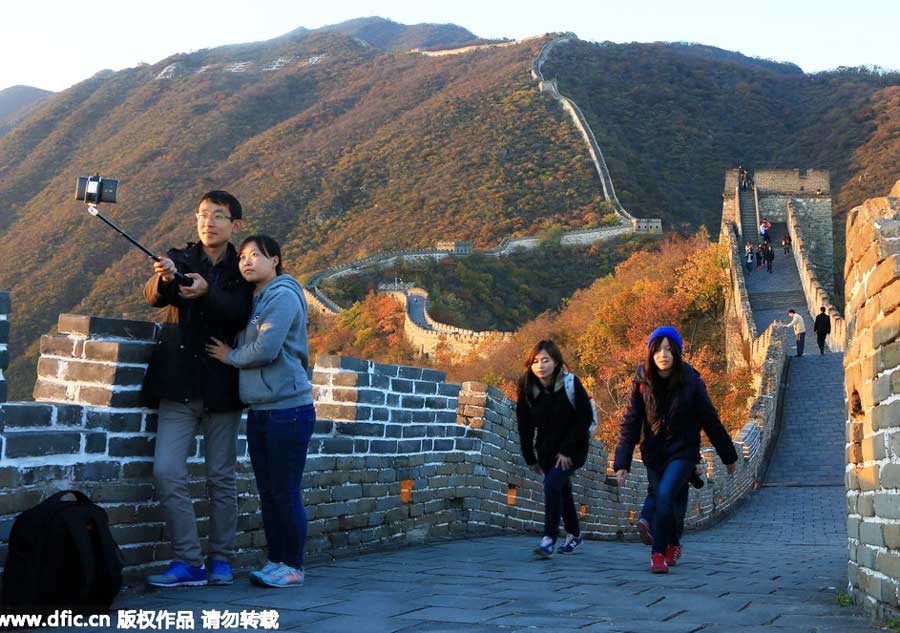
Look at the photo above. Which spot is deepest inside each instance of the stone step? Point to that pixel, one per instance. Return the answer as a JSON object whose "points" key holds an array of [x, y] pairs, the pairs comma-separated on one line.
{"points": [[778, 299]]}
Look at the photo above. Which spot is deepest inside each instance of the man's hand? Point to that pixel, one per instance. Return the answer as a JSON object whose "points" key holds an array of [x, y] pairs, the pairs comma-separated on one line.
{"points": [[217, 349], [731, 467], [621, 477], [196, 289], [537, 469], [563, 462], [165, 267]]}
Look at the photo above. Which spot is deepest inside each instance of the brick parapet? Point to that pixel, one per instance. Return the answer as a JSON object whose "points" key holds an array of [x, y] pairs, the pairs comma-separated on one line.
{"points": [[398, 456], [793, 181], [872, 382], [811, 238]]}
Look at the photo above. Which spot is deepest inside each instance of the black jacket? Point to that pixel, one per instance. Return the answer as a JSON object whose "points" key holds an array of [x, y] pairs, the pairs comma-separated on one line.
{"points": [[180, 368], [822, 326], [675, 435], [561, 428]]}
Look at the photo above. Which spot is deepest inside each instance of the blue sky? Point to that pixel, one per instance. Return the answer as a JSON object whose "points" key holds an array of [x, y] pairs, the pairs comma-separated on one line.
{"points": [[53, 44]]}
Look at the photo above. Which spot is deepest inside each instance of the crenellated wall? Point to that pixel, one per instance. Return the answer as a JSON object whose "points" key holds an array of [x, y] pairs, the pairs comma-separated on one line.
{"points": [[872, 379], [398, 454]]}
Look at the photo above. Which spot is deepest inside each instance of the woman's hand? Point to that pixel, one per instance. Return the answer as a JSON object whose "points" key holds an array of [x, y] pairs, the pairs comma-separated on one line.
{"points": [[621, 477], [731, 467], [563, 462], [537, 469], [218, 350]]}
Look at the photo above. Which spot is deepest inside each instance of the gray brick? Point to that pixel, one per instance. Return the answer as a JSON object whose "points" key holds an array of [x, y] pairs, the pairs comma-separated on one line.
{"points": [[114, 421], [38, 443], [385, 370], [448, 389], [414, 373], [359, 428], [26, 414], [98, 471], [99, 326], [423, 387], [337, 445], [409, 446], [370, 396], [383, 446], [401, 386], [137, 446], [95, 442], [412, 402]]}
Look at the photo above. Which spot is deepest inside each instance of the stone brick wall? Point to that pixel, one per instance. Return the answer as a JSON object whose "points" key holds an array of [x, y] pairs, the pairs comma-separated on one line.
{"points": [[398, 455], [809, 223], [793, 181], [4, 341], [872, 379]]}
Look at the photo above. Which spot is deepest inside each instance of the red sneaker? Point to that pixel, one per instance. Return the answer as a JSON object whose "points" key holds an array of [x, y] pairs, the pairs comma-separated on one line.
{"points": [[643, 527], [658, 563], [673, 553]]}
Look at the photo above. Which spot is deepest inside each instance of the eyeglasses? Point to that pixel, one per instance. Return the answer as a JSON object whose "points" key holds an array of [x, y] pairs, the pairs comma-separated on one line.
{"points": [[218, 218]]}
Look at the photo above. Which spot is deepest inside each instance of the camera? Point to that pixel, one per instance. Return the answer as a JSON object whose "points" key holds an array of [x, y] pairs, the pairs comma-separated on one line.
{"points": [[94, 189]]}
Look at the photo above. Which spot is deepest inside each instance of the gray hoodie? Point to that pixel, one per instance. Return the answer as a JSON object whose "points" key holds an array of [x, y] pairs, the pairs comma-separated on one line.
{"points": [[272, 352]]}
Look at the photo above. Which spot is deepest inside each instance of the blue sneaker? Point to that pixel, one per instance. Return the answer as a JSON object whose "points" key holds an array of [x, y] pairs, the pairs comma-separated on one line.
{"points": [[268, 568], [571, 543], [281, 577], [545, 548], [179, 574], [220, 573]]}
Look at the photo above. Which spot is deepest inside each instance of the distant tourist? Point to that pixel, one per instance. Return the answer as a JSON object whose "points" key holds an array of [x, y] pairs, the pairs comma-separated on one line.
{"points": [[748, 257], [553, 403], [759, 255], [272, 355], [822, 328], [764, 228], [194, 391], [796, 322], [786, 243], [769, 257], [669, 406]]}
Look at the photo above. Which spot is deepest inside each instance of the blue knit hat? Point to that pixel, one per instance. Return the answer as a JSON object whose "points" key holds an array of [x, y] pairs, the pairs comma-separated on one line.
{"points": [[668, 332]]}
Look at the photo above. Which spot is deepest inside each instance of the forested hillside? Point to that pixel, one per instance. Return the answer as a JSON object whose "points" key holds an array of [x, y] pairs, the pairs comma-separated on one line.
{"points": [[672, 117]]}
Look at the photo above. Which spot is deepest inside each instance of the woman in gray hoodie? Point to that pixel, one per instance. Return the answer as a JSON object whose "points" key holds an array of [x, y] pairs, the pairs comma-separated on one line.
{"points": [[272, 355]]}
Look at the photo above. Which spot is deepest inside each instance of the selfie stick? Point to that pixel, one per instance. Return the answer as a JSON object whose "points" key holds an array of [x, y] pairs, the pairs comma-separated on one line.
{"points": [[183, 280]]}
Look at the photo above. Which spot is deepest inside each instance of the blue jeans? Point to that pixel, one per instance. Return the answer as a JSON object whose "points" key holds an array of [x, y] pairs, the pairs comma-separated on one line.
{"points": [[801, 341], [667, 486], [558, 501], [648, 510], [278, 440]]}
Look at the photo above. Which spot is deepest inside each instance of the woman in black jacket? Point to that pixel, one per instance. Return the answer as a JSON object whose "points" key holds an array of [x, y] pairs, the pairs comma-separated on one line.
{"points": [[669, 405], [553, 402]]}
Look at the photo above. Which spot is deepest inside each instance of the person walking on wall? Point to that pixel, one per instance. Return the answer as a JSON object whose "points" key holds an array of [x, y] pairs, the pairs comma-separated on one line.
{"points": [[786, 242], [822, 328], [272, 354], [194, 391], [759, 255], [554, 403], [648, 509], [669, 405], [799, 326], [770, 257]]}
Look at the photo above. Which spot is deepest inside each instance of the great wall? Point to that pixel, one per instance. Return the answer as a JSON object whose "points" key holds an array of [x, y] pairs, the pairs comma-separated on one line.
{"points": [[402, 457], [425, 334]]}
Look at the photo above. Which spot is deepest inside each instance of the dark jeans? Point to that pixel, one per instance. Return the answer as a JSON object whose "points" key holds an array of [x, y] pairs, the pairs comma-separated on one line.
{"points": [[769, 265], [750, 267], [820, 339], [667, 486], [649, 509], [277, 441], [558, 501], [801, 341]]}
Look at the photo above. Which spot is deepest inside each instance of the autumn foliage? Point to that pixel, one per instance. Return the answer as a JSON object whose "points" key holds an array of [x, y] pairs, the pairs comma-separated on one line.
{"points": [[603, 330]]}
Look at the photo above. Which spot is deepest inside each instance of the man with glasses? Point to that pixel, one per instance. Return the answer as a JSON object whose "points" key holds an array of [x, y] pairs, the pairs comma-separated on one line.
{"points": [[195, 390]]}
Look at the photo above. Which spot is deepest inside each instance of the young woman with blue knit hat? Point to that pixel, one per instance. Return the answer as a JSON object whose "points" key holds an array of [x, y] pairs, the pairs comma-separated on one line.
{"points": [[552, 402], [668, 407]]}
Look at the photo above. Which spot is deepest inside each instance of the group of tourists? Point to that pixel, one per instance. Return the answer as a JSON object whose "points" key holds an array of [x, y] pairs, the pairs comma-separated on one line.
{"points": [[234, 334], [762, 253], [668, 407]]}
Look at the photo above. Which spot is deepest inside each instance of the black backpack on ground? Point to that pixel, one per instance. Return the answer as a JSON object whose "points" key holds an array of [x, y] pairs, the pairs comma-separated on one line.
{"points": [[62, 555]]}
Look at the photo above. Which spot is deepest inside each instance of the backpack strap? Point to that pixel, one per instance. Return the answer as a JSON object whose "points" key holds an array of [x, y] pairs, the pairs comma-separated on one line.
{"points": [[569, 384]]}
